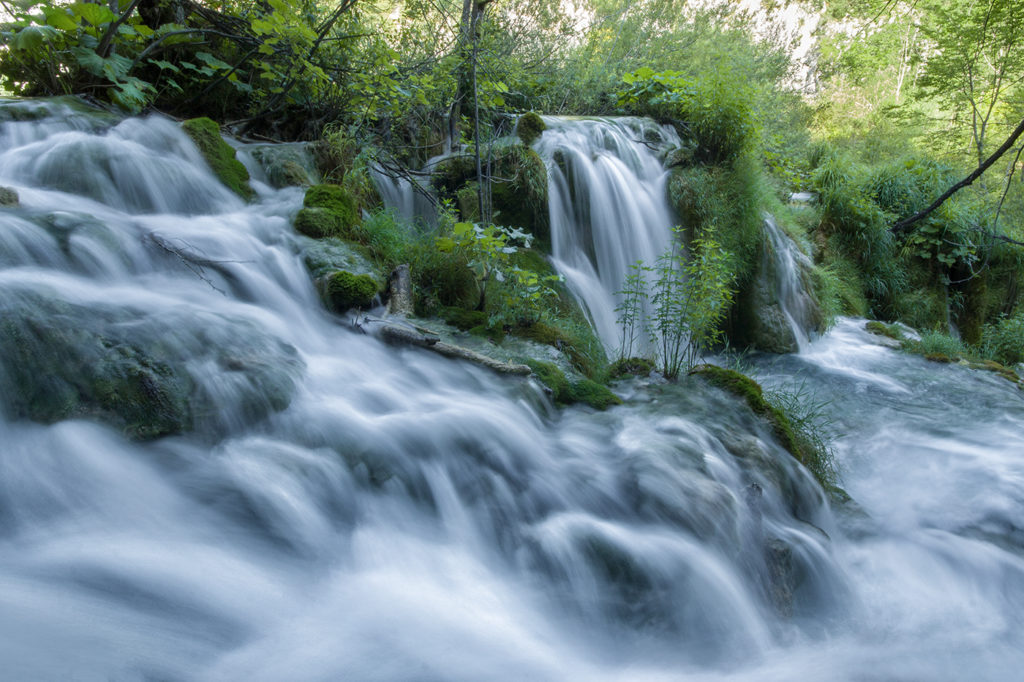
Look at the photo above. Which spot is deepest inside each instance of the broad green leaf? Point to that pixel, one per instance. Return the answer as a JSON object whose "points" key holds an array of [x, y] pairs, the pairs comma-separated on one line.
{"points": [[97, 15], [59, 18], [32, 37]]}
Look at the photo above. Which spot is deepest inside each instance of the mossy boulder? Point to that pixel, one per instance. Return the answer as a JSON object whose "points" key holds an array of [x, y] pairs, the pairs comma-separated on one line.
{"points": [[148, 373], [328, 211], [344, 291], [631, 367], [530, 127], [219, 155], [8, 198], [286, 165], [565, 392], [325, 256], [318, 223]]}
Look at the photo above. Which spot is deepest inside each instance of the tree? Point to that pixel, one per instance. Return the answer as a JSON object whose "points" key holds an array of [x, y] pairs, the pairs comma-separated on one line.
{"points": [[976, 60]]}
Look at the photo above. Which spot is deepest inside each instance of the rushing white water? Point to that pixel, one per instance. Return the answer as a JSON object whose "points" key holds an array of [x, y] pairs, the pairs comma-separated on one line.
{"points": [[608, 207], [399, 516], [788, 266]]}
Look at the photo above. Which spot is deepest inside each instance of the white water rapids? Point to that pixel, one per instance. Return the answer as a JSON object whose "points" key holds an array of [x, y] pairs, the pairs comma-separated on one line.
{"points": [[407, 517]]}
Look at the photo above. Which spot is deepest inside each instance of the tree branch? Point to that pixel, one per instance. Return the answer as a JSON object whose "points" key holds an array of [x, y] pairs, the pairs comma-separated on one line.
{"points": [[904, 224]]}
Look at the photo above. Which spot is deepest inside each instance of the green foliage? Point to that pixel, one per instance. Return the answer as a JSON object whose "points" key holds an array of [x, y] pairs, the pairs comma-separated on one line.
{"points": [[690, 296], [714, 109], [343, 291], [730, 199], [936, 343], [487, 250], [220, 156], [1003, 340], [631, 308]]}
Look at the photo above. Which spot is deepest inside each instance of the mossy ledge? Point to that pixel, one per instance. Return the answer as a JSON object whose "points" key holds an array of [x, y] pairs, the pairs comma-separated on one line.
{"points": [[219, 155], [565, 392], [744, 387]]}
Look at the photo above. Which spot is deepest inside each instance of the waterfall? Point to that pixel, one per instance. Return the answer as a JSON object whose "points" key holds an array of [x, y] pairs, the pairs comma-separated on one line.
{"points": [[303, 502], [788, 266], [608, 207]]}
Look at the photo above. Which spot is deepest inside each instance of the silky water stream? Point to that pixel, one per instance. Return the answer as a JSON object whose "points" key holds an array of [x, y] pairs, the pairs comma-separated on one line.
{"points": [[320, 506]]}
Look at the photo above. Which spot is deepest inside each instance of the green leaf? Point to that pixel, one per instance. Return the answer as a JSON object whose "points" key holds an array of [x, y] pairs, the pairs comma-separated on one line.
{"points": [[31, 37], [59, 18], [97, 15]]}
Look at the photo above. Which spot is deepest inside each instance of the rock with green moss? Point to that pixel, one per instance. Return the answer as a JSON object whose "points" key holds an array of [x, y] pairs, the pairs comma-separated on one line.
{"points": [[318, 223], [285, 165], [564, 392], [640, 367], [328, 211], [530, 127], [344, 291], [219, 155], [148, 373], [8, 198]]}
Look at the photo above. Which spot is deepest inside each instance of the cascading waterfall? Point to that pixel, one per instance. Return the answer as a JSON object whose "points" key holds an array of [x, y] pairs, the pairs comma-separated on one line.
{"points": [[320, 506], [788, 266], [608, 207]]}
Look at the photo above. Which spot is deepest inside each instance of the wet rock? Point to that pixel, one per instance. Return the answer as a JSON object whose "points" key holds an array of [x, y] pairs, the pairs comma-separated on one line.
{"points": [[149, 374], [8, 198]]}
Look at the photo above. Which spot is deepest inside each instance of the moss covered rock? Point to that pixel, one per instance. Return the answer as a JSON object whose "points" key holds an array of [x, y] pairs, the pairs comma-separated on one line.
{"points": [[750, 391], [8, 197], [147, 373], [220, 156], [318, 223], [328, 211], [343, 291], [530, 127], [564, 392]]}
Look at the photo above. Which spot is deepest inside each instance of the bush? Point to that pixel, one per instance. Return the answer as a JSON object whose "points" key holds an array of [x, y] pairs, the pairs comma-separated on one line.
{"points": [[1003, 341], [713, 110]]}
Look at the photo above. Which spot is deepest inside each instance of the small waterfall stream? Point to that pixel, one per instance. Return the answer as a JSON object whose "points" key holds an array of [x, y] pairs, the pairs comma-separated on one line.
{"points": [[327, 507], [608, 207], [787, 266]]}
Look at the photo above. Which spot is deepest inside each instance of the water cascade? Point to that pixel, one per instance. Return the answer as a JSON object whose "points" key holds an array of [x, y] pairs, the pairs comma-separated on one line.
{"points": [[310, 504], [788, 268], [608, 206]]}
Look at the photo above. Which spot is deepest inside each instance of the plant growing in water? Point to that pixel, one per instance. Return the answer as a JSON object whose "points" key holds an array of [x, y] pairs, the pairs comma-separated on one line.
{"points": [[691, 296], [631, 309]]}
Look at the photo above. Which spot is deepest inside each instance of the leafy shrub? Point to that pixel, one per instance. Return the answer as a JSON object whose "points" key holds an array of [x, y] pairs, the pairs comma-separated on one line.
{"points": [[714, 109], [936, 343], [1003, 341]]}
